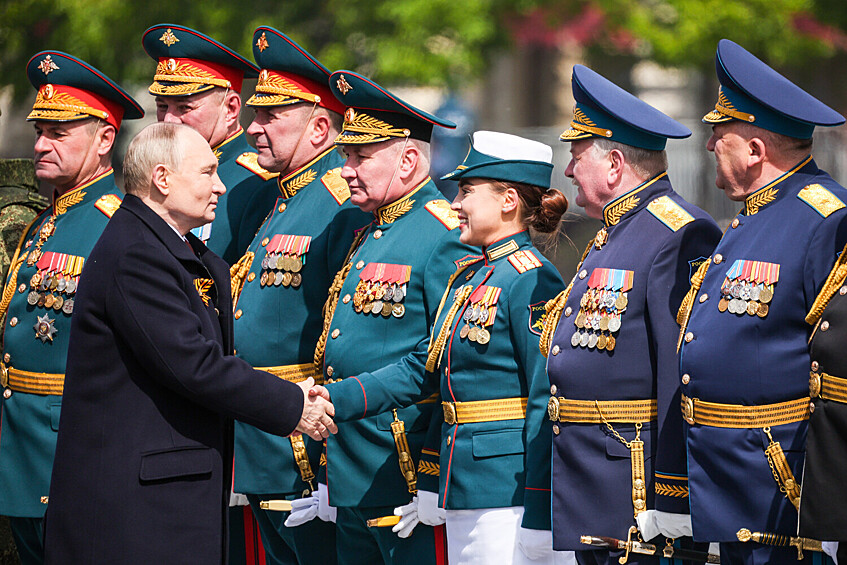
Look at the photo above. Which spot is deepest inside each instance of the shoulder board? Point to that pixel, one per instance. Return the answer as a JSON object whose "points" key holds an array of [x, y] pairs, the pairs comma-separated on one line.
{"points": [[250, 161], [336, 185], [468, 260], [442, 212], [820, 199], [108, 203], [669, 212], [524, 260]]}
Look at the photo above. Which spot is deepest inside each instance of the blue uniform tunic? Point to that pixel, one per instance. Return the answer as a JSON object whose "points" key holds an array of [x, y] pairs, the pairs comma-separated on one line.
{"points": [[29, 417], [797, 223], [655, 240]]}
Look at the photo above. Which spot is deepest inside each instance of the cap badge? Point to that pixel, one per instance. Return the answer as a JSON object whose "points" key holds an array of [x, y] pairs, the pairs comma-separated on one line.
{"points": [[263, 77], [343, 85], [47, 92], [168, 38], [47, 65], [262, 43], [349, 115]]}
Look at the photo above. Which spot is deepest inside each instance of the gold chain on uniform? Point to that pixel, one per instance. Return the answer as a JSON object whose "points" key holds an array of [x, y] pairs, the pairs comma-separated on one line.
{"points": [[636, 458]]}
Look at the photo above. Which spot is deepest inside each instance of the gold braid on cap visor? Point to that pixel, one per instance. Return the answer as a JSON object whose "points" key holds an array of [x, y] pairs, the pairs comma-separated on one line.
{"points": [[171, 71], [52, 105], [371, 128], [724, 110], [582, 127], [278, 91]]}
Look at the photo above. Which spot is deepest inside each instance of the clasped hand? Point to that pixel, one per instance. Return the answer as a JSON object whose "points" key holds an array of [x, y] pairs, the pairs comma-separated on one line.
{"points": [[316, 420]]}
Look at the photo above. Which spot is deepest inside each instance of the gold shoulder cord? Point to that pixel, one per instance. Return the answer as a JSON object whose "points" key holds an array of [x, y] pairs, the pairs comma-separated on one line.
{"points": [[14, 267], [833, 282], [237, 274], [687, 305], [555, 306], [407, 465], [436, 348], [332, 300]]}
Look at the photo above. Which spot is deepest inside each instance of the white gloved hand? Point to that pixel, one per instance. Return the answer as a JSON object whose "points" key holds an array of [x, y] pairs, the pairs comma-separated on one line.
{"points": [[303, 510], [535, 544], [830, 548], [408, 518], [326, 512], [651, 523], [428, 511]]}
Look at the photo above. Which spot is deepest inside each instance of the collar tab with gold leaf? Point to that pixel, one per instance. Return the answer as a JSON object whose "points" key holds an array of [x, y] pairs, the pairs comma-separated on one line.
{"points": [[615, 210], [297, 180], [768, 193], [63, 202], [389, 213]]}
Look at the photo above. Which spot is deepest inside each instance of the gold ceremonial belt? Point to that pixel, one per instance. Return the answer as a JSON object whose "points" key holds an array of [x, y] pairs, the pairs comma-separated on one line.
{"points": [[32, 383], [696, 411], [295, 373], [484, 410], [601, 411], [828, 387]]}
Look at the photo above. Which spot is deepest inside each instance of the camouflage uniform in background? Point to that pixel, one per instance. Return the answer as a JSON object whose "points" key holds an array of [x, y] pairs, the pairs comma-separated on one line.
{"points": [[20, 203]]}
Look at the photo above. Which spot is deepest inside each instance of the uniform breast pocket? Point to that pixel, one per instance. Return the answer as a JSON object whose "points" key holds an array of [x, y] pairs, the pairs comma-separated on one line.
{"points": [[182, 463], [55, 413], [497, 443]]}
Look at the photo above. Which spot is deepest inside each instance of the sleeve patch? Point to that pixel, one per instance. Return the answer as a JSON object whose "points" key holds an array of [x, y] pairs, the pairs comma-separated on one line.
{"points": [[669, 213], [537, 315], [250, 161], [468, 260], [524, 260], [820, 199], [441, 210], [336, 185], [108, 204]]}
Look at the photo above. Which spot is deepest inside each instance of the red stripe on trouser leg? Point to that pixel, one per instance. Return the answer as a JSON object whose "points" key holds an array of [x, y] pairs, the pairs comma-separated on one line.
{"points": [[255, 551], [440, 545]]}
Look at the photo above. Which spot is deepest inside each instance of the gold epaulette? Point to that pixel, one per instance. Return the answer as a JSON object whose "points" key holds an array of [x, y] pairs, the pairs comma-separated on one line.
{"points": [[833, 282], [669, 213], [820, 199], [250, 161], [443, 213], [108, 204], [554, 307], [687, 305], [524, 260], [336, 185]]}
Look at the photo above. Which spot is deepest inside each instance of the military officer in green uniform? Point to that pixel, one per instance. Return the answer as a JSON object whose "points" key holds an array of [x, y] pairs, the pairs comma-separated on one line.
{"points": [[77, 115], [381, 307], [198, 83], [284, 277]]}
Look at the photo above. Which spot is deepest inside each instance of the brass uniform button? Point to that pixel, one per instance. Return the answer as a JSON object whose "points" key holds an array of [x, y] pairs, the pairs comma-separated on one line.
{"points": [[815, 365], [688, 337], [555, 350], [7, 358], [704, 298], [7, 394], [335, 333], [22, 288], [13, 322], [686, 378], [811, 407], [251, 277], [346, 299], [555, 430], [360, 264], [583, 273], [377, 234], [553, 390], [265, 241], [842, 291], [824, 326], [238, 313], [718, 258], [735, 223], [329, 371], [449, 440], [281, 207], [568, 311]]}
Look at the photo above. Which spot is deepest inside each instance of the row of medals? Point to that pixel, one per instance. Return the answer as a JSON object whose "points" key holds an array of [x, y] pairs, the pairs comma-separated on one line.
{"points": [[739, 297], [281, 269], [600, 311], [42, 289], [379, 298], [476, 314]]}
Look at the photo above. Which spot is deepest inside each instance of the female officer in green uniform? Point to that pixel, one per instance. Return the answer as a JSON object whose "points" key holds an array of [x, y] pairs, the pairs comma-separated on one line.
{"points": [[491, 451]]}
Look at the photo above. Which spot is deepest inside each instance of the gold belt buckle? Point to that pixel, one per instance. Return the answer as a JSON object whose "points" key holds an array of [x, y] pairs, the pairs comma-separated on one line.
{"points": [[688, 410], [450, 416], [4, 375], [553, 409], [814, 384]]}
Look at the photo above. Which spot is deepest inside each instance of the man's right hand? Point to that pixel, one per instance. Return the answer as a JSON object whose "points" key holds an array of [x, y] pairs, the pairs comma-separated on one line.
{"points": [[316, 420]]}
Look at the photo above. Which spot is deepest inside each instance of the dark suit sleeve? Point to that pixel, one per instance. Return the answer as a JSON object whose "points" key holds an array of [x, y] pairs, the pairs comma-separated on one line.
{"points": [[669, 281], [156, 314]]}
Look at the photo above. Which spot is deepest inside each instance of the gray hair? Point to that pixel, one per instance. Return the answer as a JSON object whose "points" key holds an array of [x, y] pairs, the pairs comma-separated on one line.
{"points": [[646, 163], [156, 144]]}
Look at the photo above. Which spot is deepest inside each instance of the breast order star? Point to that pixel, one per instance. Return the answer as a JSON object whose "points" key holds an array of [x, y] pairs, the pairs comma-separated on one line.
{"points": [[44, 329]]}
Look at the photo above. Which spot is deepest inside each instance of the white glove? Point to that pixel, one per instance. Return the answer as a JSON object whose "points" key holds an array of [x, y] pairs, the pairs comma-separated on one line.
{"points": [[830, 548], [408, 518], [651, 523], [535, 544], [326, 512], [428, 511], [303, 510]]}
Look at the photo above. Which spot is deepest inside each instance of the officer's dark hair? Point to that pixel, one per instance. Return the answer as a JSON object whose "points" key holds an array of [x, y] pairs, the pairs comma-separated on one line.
{"points": [[156, 144], [646, 163], [541, 208], [784, 144]]}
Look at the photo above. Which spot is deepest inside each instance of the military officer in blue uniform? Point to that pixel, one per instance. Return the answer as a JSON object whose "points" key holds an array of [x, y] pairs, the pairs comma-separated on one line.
{"points": [[77, 115], [610, 337], [745, 360], [381, 307], [491, 452], [198, 83], [284, 277]]}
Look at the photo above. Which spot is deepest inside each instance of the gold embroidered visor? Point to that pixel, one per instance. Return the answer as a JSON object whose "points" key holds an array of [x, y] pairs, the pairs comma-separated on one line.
{"points": [[725, 111], [182, 77]]}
